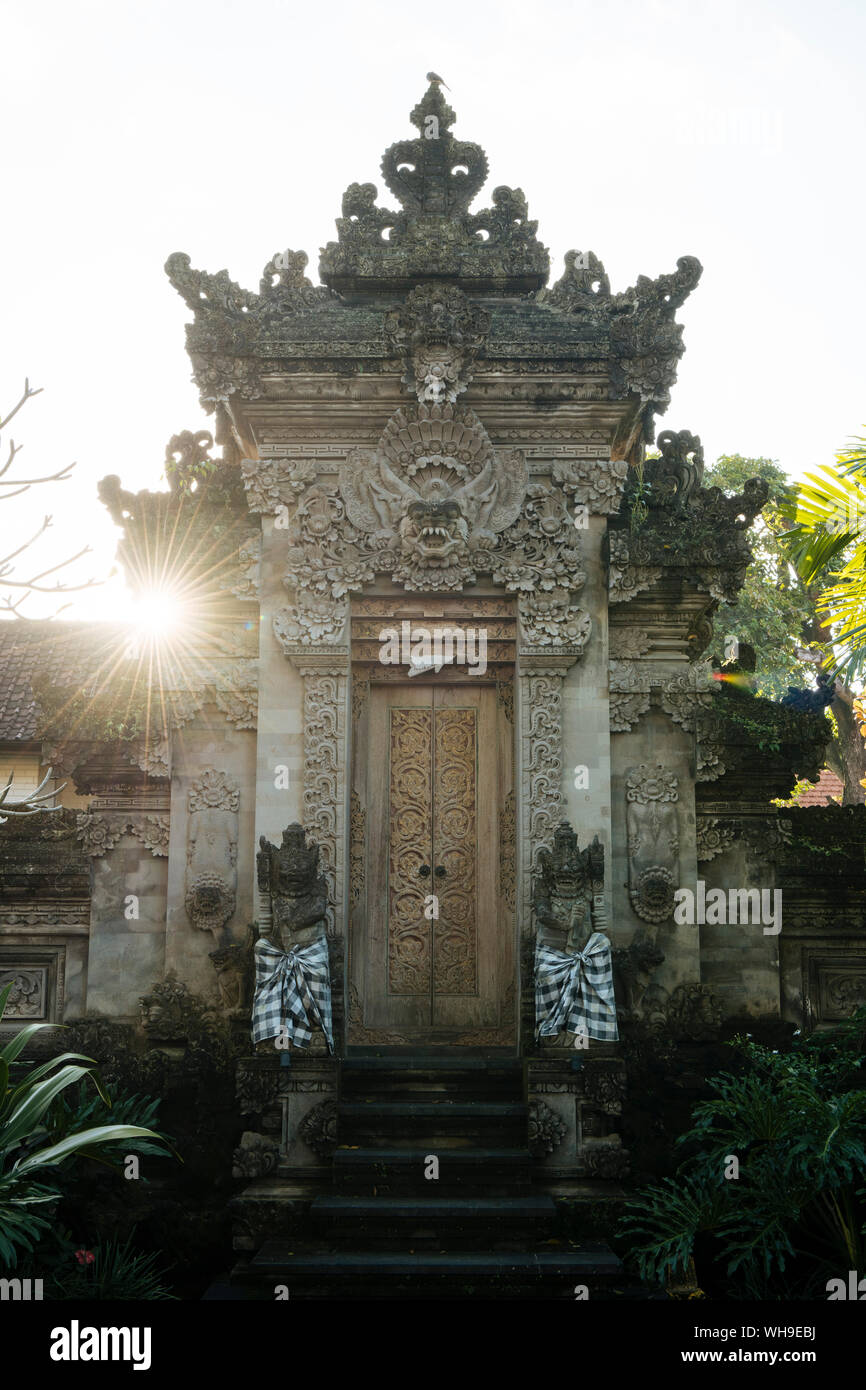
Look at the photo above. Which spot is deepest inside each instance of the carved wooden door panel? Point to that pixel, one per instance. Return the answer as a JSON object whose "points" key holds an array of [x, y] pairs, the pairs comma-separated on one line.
{"points": [[432, 954]]}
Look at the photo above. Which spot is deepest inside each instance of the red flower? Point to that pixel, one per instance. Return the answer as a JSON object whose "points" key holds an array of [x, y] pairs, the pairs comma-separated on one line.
{"points": [[85, 1257]]}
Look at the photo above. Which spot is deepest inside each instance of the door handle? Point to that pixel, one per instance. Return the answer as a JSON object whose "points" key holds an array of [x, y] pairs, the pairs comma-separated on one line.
{"points": [[439, 871], [424, 871]]}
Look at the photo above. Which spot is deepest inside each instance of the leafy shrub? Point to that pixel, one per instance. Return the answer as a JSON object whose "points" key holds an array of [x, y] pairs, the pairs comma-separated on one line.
{"points": [[796, 1122]]}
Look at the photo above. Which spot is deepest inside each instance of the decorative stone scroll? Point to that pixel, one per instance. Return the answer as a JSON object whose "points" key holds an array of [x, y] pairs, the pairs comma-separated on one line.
{"points": [[100, 833], [211, 855], [653, 840], [635, 685]]}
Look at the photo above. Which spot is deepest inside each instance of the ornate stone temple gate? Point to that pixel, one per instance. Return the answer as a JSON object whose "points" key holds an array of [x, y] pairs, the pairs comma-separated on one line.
{"points": [[443, 604]]}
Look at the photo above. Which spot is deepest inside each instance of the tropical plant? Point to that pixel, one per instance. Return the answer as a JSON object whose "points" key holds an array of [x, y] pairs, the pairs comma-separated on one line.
{"points": [[827, 543], [26, 1148], [793, 1214], [110, 1271]]}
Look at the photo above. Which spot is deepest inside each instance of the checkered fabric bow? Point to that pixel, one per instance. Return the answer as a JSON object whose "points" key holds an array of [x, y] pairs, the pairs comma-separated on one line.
{"points": [[574, 993], [293, 993]]}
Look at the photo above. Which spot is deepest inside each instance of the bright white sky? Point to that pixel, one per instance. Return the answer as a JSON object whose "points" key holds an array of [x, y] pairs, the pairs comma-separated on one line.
{"points": [[640, 129]]}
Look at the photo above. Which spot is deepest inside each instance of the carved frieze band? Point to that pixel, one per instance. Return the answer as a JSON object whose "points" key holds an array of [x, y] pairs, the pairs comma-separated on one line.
{"points": [[100, 833]]}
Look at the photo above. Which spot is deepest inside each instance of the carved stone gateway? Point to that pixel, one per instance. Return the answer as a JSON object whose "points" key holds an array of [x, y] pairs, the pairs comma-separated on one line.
{"points": [[448, 738]]}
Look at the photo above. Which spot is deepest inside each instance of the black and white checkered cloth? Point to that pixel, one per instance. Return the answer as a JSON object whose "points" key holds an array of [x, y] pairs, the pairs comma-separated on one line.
{"points": [[293, 993], [574, 993]]}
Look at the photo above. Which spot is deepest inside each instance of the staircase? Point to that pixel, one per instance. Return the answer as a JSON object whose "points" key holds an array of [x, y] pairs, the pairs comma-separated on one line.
{"points": [[392, 1228]]}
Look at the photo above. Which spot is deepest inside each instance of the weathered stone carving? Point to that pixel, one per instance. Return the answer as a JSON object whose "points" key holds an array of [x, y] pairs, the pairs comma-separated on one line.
{"points": [[635, 965], [568, 899], [679, 528], [27, 996], [713, 837], [318, 1129], [584, 287], [256, 1156], [628, 643], [239, 704], [674, 476], [275, 482], [297, 892], [546, 1129], [646, 343], [99, 833], [607, 1160], [435, 513], [604, 1085], [595, 483], [312, 620], [435, 179], [439, 334], [636, 685], [653, 840], [541, 764], [231, 964], [211, 856], [690, 1013]]}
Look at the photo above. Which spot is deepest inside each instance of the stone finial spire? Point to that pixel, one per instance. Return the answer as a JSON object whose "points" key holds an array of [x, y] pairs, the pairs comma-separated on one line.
{"points": [[435, 177]]}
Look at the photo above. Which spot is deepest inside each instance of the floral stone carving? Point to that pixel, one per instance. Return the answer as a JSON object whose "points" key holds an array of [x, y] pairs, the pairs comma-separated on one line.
{"points": [[546, 1129], [256, 1156], [653, 840], [318, 1129]]}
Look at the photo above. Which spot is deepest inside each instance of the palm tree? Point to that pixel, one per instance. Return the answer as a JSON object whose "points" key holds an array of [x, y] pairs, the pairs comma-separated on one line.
{"points": [[827, 544]]}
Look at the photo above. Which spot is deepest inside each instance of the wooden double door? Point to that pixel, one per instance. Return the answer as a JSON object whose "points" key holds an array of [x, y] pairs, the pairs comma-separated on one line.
{"points": [[432, 939]]}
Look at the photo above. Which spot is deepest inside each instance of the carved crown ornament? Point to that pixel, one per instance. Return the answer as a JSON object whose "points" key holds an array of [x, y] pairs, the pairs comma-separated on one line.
{"points": [[240, 338], [434, 507], [670, 522]]}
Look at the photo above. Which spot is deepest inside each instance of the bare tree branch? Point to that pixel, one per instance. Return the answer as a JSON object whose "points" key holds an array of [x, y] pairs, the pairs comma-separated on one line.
{"points": [[33, 584]]}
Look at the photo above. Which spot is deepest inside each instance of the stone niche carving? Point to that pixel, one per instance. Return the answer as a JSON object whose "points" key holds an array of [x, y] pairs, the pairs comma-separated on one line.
{"points": [[297, 892], [211, 853], [653, 840], [568, 899]]}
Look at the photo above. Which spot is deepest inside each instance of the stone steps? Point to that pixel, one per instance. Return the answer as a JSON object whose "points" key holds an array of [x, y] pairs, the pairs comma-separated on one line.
{"points": [[378, 1123], [440, 1223], [391, 1229], [373, 1274], [485, 1171]]}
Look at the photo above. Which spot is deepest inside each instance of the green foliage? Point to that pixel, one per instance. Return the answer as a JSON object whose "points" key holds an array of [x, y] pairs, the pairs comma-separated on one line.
{"points": [[796, 1122], [76, 1110], [111, 1270], [27, 1146], [775, 611], [827, 546]]}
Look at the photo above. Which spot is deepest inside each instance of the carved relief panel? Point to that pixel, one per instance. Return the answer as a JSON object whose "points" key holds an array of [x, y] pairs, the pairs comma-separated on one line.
{"points": [[653, 840], [211, 855]]}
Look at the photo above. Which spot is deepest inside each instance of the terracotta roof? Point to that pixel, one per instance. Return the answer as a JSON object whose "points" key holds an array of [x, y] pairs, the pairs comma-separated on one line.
{"points": [[66, 652], [826, 790]]}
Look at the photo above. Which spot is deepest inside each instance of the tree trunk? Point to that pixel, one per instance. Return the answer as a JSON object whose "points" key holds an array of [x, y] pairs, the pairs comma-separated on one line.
{"points": [[847, 753]]}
